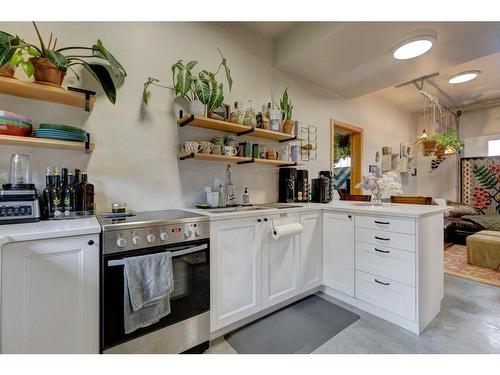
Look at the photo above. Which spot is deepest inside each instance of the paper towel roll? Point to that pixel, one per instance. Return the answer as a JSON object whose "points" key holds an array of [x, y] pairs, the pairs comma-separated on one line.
{"points": [[287, 230]]}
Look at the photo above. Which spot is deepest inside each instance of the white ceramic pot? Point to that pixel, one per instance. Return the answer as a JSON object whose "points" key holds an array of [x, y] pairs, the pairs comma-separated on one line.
{"points": [[197, 108]]}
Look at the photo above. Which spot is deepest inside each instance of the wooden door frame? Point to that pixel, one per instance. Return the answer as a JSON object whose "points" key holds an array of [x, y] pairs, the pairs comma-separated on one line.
{"points": [[356, 151]]}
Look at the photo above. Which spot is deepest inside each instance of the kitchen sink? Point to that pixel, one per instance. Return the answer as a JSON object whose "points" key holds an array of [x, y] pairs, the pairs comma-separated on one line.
{"points": [[281, 206], [238, 209]]}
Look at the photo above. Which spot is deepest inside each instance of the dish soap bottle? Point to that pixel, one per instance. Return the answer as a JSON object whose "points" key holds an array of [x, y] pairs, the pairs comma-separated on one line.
{"points": [[246, 198]]}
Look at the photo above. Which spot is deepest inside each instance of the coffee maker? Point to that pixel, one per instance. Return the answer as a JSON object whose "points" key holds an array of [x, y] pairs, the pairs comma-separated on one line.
{"points": [[322, 187], [18, 198], [287, 181]]}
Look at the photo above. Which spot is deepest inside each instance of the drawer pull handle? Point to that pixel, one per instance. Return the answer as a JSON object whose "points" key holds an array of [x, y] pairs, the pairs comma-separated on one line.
{"points": [[382, 251], [382, 222], [381, 282], [382, 239]]}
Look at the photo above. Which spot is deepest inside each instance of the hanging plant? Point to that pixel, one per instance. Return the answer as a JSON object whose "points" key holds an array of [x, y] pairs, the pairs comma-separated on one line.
{"points": [[341, 146]]}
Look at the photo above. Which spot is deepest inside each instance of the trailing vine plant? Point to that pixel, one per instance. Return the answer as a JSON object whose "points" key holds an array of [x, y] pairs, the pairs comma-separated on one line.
{"points": [[202, 86]]}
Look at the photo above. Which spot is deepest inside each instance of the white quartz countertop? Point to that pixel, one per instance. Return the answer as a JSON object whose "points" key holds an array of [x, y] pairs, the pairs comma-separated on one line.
{"points": [[48, 229], [387, 209]]}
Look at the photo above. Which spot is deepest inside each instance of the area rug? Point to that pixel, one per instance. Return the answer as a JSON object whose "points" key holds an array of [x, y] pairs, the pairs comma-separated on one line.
{"points": [[298, 328], [455, 263]]}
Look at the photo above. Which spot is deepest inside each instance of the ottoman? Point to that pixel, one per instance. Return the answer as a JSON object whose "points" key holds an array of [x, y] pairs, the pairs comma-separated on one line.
{"points": [[483, 249]]}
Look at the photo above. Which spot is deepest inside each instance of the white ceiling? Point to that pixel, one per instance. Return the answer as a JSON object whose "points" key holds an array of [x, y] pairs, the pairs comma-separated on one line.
{"points": [[269, 29], [350, 59]]}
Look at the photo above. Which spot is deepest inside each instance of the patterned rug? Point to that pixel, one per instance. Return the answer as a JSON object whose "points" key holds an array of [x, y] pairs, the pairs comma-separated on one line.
{"points": [[455, 263]]}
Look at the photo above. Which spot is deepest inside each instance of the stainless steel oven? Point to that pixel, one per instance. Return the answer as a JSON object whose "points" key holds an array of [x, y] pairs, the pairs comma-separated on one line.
{"points": [[187, 327]]}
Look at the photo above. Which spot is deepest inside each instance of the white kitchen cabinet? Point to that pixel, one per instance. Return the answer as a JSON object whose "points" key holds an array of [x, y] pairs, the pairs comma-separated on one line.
{"points": [[280, 263], [338, 251], [311, 250], [50, 295], [235, 275]]}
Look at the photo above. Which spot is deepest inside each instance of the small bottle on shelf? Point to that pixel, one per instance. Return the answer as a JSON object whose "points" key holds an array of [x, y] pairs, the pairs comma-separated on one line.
{"points": [[246, 198], [236, 115], [249, 118], [265, 117]]}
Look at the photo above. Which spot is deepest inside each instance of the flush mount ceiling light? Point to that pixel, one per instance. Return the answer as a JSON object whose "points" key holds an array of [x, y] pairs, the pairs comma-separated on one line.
{"points": [[469, 75], [413, 47]]}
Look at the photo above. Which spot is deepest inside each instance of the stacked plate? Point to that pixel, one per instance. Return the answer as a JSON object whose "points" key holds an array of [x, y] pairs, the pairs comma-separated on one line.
{"points": [[14, 124], [61, 132]]}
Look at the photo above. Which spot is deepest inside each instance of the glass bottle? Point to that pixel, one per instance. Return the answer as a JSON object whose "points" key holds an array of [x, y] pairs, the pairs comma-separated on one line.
{"points": [[56, 206], [88, 192], [79, 195], [249, 118], [265, 117], [47, 194], [69, 194], [236, 115]]}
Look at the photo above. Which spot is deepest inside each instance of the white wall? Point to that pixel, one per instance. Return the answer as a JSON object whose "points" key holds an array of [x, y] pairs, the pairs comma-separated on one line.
{"points": [[135, 159], [477, 128]]}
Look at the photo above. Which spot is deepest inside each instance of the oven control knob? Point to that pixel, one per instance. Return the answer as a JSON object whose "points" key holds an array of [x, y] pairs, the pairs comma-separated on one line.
{"points": [[136, 240], [121, 242], [151, 238], [188, 233], [163, 236], [197, 232]]}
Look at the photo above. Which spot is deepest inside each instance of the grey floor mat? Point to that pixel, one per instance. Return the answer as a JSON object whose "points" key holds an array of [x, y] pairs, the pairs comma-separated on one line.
{"points": [[298, 328]]}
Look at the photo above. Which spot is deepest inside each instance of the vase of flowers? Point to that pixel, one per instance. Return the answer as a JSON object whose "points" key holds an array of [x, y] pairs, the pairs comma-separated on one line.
{"points": [[378, 184]]}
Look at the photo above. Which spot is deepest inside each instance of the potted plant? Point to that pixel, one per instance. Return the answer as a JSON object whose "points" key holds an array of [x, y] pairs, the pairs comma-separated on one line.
{"points": [[50, 65], [342, 145], [12, 58], [202, 90], [287, 107], [447, 143]]}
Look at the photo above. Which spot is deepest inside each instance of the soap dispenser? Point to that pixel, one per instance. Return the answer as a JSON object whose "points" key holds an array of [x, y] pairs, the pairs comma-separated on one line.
{"points": [[246, 198]]}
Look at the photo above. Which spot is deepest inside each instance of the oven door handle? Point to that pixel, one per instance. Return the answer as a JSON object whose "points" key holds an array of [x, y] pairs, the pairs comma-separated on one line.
{"points": [[189, 250]]}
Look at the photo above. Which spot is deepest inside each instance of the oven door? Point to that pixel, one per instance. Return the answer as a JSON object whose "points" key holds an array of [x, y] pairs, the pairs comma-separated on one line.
{"points": [[190, 298]]}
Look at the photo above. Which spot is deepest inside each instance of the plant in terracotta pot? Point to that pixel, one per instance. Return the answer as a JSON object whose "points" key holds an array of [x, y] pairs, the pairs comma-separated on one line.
{"points": [[287, 107], [202, 90], [50, 65]]}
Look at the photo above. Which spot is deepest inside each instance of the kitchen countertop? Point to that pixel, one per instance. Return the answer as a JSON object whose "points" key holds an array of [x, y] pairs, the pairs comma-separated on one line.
{"points": [[389, 209], [48, 229]]}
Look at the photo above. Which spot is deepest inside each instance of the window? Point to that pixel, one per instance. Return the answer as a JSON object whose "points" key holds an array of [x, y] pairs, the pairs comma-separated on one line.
{"points": [[494, 147]]}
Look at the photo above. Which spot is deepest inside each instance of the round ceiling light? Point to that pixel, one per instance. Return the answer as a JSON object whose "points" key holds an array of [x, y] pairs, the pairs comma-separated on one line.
{"points": [[462, 77], [413, 47]]}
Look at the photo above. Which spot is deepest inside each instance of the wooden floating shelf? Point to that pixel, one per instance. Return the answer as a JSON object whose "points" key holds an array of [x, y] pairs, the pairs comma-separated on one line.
{"points": [[229, 127], [44, 142], [237, 159], [30, 90]]}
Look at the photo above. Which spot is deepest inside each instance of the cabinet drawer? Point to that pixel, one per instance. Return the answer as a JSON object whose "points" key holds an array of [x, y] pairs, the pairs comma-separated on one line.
{"points": [[389, 295], [389, 223], [397, 265], [387, 239]]}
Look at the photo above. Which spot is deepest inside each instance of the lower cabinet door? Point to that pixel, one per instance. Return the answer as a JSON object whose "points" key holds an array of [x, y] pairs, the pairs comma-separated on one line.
{"points": [[235, 270], [50, 296], [389, 295], [338, 252], [311, 250], [280, 263]]}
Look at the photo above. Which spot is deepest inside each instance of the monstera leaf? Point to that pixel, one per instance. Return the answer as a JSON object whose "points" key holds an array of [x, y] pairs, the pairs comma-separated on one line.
{"points": [[487, 179]]}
